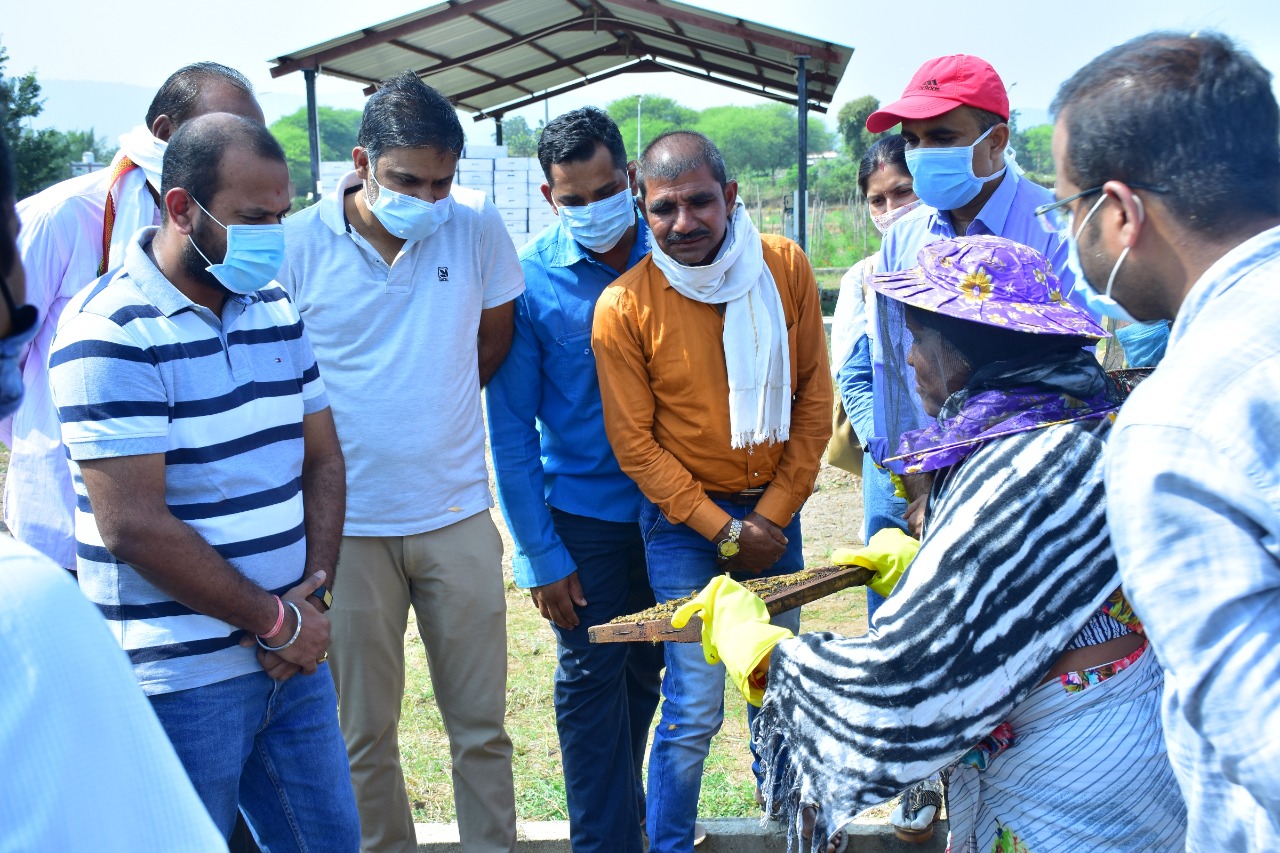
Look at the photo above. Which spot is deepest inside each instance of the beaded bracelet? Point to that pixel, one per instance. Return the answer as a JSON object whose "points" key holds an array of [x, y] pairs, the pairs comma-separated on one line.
{"points": [[279, 620], [296, 631]]}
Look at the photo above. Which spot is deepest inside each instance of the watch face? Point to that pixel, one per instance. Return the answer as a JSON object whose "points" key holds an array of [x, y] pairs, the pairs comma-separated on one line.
{"points": [[728, 548]]}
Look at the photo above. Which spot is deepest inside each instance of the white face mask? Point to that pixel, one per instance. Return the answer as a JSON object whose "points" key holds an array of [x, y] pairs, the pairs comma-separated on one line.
{"points": [[407, 217], [884, 220], [600, 225]]}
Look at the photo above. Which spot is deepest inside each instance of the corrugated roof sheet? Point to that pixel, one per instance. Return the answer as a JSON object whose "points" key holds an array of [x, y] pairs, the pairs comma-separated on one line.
{"points": [[491, 56]]}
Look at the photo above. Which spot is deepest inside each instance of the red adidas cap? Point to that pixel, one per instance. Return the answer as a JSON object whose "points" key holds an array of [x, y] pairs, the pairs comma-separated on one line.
{"points": [[940, 86]]}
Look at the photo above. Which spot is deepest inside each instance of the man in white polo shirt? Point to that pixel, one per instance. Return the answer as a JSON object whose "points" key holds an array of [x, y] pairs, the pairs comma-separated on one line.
{"points": [[406, 284], [209, 486]]}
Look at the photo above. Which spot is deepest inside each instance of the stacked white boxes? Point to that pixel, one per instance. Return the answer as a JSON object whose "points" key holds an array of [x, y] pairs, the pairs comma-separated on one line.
{"points": [[513, 184]]}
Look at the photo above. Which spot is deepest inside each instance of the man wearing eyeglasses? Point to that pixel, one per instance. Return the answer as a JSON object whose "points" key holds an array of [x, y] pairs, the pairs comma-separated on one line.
{"points": [[1168, 153]]}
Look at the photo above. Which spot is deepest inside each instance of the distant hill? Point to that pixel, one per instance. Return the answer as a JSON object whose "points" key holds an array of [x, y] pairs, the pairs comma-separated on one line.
{"points": [[113, 108]]}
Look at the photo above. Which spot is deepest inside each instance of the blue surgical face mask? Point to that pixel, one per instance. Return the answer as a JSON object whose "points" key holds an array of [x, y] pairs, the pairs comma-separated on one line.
{"points": [[254, 255], [1144, 344], [23, 327], [944, 178], [1100, 303], [407, 217], [600, 225]]}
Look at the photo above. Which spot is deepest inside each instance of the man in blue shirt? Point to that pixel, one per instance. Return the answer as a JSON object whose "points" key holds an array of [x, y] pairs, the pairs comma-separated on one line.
{"points": [[1168, 155], [954, 115], [572, 512]]}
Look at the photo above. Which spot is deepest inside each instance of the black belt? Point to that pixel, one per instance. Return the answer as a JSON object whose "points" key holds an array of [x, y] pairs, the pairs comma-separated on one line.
{"points": [[746, 497]]}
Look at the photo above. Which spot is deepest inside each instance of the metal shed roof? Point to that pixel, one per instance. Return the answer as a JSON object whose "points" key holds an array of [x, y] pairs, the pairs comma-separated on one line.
{"points": [[492, 56]]}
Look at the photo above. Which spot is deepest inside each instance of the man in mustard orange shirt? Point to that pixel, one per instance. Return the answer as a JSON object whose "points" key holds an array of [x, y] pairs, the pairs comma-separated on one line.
{"points": [[717, 401]]}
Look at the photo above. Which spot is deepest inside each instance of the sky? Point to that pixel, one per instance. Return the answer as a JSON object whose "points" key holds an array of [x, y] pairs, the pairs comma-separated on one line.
{"points": [[1034, 47]]}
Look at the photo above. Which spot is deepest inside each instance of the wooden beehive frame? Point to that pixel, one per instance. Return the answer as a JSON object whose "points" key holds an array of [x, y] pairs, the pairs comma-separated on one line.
{"points": [[783, 595]]}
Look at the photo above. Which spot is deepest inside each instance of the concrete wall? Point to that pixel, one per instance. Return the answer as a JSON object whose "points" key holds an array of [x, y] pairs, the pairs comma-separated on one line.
{"points": [[730, 835]]}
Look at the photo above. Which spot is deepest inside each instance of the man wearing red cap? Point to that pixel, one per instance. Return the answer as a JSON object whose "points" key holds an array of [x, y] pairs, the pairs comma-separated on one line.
{"points": [[954, 115]]}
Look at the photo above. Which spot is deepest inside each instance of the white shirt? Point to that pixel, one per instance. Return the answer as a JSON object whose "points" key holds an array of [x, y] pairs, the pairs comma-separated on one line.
{"points": [[61, 248], [1193, 486], [854, 314], [87, 764], [397, 349]]}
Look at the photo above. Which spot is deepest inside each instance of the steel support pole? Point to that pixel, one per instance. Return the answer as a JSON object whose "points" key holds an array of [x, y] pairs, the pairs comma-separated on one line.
{"points": [[802, 111], [313, 129]]}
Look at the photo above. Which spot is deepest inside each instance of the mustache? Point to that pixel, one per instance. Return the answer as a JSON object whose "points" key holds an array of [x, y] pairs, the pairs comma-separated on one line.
{"points": [[675, 237]]}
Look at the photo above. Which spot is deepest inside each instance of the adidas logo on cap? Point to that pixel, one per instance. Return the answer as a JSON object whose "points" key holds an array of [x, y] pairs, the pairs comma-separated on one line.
{"points": [[930, 85]]}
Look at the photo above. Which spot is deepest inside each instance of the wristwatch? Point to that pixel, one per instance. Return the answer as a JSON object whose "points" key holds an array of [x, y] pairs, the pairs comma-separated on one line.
{"points": [[325, 596], [727, 548]]}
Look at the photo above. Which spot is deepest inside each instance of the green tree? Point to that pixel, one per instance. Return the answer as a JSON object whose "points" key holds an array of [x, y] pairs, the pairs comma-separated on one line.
{"points": [[657, 115], [851, 122], [760, 139], [835, 180], [1036, 151], [520, 139], [38, 155], [76, 142], [339, 130]]}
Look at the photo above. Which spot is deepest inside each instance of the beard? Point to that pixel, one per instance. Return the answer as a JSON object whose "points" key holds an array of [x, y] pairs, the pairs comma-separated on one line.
{"points": [[195, 266]]}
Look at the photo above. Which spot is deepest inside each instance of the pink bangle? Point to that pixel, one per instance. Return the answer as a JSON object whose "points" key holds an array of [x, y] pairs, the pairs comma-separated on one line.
{"points": [[275, 629]]}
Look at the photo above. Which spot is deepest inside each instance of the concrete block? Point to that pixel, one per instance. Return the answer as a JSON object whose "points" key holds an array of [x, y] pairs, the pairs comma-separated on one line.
{"points": [[724, 835]]}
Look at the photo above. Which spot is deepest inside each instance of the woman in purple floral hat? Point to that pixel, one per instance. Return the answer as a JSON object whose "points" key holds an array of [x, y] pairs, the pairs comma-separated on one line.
{"points": [[1006, 655]]}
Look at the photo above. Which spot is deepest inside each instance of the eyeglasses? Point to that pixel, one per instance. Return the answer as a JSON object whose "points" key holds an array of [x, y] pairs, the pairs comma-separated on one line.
{"points": [[1055, 218]]}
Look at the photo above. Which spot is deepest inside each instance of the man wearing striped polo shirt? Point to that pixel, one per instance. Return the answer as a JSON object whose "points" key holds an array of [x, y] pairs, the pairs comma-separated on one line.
{"points": [[210, 488]]}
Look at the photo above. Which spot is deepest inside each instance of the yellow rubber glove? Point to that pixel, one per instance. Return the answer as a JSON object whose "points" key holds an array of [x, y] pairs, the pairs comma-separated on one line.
{"points": [[888, 554], [736, 630], [899, 487]]}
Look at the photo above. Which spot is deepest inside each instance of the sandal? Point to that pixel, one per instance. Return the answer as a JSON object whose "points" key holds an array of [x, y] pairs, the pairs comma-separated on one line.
{"points": [[916, 799]]}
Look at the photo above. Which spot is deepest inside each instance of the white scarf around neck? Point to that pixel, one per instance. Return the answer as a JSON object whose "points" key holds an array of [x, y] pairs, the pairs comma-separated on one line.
{"points": [[146, 151], [756, 349], [135, 208]]}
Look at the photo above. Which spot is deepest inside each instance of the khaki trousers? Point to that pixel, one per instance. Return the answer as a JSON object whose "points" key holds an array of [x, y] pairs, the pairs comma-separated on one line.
{"points": [[452, 578]]}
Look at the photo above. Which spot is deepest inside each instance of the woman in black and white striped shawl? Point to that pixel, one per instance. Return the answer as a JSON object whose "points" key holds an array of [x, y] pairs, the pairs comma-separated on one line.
{"points": [[1013, 568]]}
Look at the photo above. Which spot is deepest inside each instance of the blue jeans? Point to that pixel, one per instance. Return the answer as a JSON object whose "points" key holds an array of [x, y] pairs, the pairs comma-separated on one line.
{"points": [[272, 749], [682, 562], [605, 694], [881, 509]]}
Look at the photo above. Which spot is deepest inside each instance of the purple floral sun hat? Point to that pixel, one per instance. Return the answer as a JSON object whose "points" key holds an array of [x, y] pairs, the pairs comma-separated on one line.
{"points": [[989, 280]]}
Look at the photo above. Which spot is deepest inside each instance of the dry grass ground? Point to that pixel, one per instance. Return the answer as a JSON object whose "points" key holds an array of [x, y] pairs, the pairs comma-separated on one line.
{"points": [[832, 517]]}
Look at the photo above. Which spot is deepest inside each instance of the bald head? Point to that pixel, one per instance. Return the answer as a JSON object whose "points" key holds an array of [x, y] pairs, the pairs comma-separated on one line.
{"points": [[676, 152]]}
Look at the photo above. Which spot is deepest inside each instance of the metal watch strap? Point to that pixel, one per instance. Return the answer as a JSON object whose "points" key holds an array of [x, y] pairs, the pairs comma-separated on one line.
{"points": [[731, 541]]}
